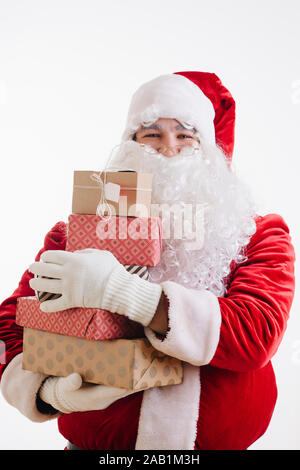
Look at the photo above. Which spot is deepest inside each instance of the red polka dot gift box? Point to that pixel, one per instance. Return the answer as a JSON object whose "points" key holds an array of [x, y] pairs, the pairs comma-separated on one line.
{"points": [[132, 240], [88, 323]]}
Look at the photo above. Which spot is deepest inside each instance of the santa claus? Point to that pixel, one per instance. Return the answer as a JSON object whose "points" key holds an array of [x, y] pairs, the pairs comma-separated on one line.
{"points": [[219, 302]]}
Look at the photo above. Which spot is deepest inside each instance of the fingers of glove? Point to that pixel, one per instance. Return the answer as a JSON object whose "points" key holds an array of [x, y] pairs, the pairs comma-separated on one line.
{"points": [[114, 391], [88, 250], [99, 255], [46, 285], [46, 269], [96, 393], [71, 383], [110, 395], [56, 256], [55, 305]]}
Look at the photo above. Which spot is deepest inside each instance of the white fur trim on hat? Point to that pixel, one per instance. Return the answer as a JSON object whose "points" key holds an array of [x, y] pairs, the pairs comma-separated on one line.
{"points": [[175, 97]]}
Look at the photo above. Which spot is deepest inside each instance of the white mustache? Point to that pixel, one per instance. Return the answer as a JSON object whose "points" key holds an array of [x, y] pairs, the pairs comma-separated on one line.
{"points": [[132, 155]]}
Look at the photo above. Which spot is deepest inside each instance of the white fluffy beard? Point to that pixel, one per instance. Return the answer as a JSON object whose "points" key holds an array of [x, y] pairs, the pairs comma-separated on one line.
{"points": [[201, 180]]}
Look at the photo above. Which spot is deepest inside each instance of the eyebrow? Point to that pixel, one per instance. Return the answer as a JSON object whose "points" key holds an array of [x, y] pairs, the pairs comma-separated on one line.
{"points": [[159, 128]]}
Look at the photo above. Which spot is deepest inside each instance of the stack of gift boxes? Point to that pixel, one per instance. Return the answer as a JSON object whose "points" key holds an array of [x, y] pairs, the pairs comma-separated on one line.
{"points": [[103, 347]]}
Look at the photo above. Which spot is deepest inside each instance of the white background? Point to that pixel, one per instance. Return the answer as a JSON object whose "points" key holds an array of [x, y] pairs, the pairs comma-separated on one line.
{"points": [[67, 72]]}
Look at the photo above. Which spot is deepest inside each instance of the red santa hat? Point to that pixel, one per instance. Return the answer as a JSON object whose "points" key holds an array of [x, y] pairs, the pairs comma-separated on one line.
{"points": [[196, 99]]}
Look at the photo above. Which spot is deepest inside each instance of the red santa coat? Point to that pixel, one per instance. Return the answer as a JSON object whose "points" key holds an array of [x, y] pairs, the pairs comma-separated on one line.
{"points": [[229, 390]]}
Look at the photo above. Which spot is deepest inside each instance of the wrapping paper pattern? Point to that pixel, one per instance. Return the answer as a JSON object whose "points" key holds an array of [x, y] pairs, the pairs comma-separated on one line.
{"points": [[132, 240], [131, 364], [89, 323], [42, 296], [141, 271]]}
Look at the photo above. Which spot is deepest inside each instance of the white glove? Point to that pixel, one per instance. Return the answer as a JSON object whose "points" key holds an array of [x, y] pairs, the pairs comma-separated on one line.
{"points": [[94, 278], [69, 394]]}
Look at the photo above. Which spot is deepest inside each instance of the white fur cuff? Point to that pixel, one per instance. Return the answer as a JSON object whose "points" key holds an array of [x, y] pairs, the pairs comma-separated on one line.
{"points": [[194, 321], [19, 388]]}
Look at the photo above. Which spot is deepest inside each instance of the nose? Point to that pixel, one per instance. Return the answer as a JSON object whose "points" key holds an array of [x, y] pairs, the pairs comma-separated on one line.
{"points": [[169, 151], [169, 147]]}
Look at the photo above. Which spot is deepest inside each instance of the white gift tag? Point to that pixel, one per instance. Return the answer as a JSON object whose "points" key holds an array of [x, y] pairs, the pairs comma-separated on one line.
{"points": [[112, 191]]}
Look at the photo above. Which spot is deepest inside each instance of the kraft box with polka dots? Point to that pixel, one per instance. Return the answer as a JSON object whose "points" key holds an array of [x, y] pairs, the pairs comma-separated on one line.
{"points": [[126, 363]]}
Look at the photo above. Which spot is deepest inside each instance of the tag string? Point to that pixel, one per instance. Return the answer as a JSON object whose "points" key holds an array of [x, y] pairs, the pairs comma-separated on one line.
{"points": [[103, 205]]}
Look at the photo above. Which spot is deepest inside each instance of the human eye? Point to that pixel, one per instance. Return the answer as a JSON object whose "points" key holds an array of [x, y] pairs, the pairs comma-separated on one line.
{"points": [[152, 135], [185, 136]]}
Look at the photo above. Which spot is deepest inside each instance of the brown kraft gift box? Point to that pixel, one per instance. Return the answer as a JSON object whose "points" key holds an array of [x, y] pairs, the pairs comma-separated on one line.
{"points": [[132, 364], [135, 193]]}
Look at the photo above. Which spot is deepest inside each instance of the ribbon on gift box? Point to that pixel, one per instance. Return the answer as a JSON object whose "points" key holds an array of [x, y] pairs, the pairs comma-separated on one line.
{"points": [[110, 191]]}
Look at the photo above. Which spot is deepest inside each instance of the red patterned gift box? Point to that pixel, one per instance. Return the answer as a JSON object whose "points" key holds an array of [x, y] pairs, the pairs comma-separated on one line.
{"points": [[88, 323], [132, 240]]}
